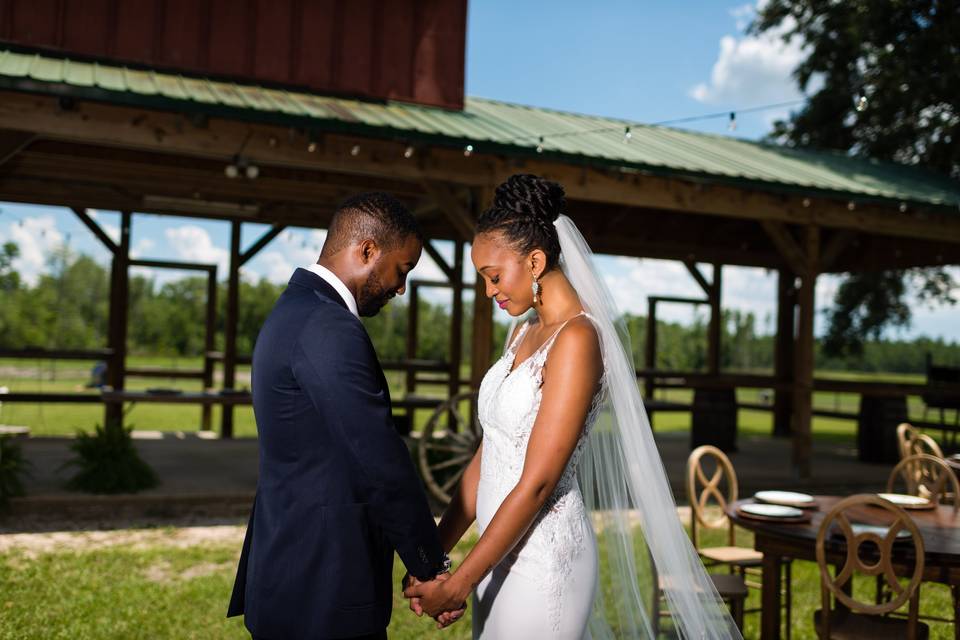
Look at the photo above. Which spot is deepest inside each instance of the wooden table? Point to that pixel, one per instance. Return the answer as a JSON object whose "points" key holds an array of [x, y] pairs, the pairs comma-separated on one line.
{"points": [[939, 527]]}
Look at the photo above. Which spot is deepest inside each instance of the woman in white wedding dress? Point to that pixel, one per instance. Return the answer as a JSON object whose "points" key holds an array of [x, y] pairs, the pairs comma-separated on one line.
{"points": [[534, 570]]}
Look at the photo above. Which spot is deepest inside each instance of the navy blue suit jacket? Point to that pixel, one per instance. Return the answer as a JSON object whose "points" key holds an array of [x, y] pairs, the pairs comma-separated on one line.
{"points": [[337, 492]]}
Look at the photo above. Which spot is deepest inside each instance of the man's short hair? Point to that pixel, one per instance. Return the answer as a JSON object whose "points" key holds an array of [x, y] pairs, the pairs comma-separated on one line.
{"points": [[375, 215]]}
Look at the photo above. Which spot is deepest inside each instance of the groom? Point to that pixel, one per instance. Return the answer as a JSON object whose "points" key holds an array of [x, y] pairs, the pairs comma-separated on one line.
{"points": [[337, 492]]}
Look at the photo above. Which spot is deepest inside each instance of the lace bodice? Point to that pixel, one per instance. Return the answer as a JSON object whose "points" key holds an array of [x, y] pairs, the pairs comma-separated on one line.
{"points": [[508, 405]]}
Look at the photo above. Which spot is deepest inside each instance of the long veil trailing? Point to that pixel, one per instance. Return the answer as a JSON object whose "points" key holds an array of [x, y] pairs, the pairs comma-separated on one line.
{"points": [[646, 559]]}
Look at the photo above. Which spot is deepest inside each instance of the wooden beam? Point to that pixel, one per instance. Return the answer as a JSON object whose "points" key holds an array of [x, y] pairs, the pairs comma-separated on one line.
{"points": [[117, 321], [170, 264], [784, 242], [833, 248], [96, 229], [127, 127], [804, 363], [261, 243], [715, 330], [456, 323], [12, 143], [448, 271], [231, 321], [482, 339], [783, 354], [698, 276], [448, 203]]}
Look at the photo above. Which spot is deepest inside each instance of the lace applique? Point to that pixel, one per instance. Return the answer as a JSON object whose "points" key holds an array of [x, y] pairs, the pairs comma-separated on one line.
{"points": [[508, 406]]}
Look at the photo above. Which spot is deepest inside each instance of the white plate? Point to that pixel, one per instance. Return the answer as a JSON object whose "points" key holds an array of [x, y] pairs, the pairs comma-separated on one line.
{"points": [[905, 500], [771, 510], [786, 498], [879, 530]]}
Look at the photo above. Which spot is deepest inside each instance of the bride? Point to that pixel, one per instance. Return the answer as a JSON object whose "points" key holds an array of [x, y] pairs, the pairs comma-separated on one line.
{"points": [[578, 528]]}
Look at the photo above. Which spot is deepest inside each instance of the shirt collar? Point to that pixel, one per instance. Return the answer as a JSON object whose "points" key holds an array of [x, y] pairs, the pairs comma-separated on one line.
{"points": [[331, 278]]}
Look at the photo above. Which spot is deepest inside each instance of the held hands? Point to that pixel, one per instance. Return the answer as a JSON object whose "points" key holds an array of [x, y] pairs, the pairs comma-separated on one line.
{"points": [[439, 598]]}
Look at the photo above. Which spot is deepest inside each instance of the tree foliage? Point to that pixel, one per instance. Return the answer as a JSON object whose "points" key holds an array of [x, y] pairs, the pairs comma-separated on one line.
{"points": [[887, 78]]}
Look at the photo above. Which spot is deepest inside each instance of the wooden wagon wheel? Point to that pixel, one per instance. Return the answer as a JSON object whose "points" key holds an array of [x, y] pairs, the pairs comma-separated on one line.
{"points": [[444, 454]]}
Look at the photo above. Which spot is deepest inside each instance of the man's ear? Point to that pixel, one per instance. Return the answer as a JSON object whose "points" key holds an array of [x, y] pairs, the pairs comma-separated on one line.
{"points": [[369, 251]]}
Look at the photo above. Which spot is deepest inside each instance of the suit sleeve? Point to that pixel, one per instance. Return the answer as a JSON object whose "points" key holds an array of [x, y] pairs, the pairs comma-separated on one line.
{"points": [[338, 369]]}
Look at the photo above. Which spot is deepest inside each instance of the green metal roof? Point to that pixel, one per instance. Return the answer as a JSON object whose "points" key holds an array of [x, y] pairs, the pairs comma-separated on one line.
{"points": [[491, 126]]}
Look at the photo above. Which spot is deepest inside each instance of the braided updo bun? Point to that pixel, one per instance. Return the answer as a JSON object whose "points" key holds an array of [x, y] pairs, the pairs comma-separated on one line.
{"points": [[524, 210]]}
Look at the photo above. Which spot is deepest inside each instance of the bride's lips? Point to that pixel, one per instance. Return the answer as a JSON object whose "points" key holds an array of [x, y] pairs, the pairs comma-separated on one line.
{"points": [[503, 303]]}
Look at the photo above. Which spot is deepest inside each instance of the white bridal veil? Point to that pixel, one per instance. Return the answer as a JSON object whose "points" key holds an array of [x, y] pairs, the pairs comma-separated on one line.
{"points": [[647, 562]]}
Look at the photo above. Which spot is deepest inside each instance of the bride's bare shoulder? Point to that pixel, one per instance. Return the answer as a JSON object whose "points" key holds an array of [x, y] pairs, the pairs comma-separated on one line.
{"points": [[579, 339]]}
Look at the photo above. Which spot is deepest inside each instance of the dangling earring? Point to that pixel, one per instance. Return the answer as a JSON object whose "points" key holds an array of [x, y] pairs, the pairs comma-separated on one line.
{"points": [[536, 290]]}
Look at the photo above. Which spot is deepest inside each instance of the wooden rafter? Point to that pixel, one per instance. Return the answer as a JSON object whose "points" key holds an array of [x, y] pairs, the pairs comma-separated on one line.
{"points": [[455, 211], [788, 247], [101, 235], [448, 271], [255, 248], [12, 143]]}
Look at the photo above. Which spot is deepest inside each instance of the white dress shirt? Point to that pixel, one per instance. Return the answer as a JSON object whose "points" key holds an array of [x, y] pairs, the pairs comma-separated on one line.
{"points": [[337, 284]]}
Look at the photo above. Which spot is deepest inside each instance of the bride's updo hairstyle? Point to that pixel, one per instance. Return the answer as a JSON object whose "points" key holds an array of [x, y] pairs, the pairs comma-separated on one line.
{"points": [[524, 210]]}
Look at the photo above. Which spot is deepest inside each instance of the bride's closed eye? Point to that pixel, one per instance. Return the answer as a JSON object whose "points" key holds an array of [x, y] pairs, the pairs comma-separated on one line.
{"points": [[495, 280]]}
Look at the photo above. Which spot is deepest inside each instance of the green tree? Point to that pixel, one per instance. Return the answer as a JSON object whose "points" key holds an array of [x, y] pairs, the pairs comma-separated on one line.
{"points": [[890, 74]]}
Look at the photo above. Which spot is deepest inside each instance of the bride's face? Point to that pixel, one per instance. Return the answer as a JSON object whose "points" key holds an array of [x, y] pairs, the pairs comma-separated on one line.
{"points": [[506, 273]]}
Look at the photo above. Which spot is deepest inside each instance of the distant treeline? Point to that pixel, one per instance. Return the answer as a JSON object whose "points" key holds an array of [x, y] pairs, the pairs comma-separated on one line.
{"points": [[67, 309]]}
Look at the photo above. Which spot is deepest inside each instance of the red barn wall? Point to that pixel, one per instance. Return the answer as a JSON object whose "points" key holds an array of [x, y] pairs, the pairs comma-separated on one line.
{"points": [[411, 50]]}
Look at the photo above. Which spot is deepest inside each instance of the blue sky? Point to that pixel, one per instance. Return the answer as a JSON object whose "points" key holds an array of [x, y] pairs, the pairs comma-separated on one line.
{"points": [[642, 61]]}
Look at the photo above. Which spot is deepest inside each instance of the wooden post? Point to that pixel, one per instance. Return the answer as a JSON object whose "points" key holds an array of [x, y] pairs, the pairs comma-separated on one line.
{"points": [[482, 342], [456, 329], [117, 335], [803, 384], [209, 345], [715, 330], [650, 353], [412, 315], [230, 327], [783, 360]]}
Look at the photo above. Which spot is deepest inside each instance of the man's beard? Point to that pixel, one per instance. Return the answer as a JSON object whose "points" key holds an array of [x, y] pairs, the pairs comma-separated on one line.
{"points": [[372, 297]]}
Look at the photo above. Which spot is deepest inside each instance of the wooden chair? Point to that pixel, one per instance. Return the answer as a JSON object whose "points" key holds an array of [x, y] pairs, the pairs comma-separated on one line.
{"points": [[928, 477], [740, 559], [911, 441], [905, 433], [853, 618]]}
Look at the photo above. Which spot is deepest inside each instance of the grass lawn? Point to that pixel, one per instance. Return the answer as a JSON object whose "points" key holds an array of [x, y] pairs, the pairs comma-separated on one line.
{"points": [[166, 591]]}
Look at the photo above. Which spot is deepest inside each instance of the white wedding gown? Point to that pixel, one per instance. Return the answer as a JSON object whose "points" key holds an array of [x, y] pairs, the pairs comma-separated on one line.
{"points": [[545, 586]]}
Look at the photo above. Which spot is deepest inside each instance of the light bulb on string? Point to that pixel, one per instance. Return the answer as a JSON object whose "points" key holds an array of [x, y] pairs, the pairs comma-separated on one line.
{"points": [[732, 123], [468, 150], [231, 171], [408, 152], [861, 104], [252, 171], [540, 145], [355, 150], [627, 135]]}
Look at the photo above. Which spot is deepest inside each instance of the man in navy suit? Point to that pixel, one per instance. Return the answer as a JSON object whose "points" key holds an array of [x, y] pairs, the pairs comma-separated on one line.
{"points": [[337, 492]]}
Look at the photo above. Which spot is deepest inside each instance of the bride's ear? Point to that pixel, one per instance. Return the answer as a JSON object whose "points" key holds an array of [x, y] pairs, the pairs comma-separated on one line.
{"points": [[537, 261]]}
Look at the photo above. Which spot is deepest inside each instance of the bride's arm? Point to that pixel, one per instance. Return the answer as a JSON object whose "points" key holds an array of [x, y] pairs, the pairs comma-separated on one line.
{"points": [[570, 381], [462, 510]]}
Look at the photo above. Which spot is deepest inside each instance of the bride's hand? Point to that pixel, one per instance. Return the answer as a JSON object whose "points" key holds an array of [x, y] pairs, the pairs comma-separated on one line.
{"points": [[438, 597]]}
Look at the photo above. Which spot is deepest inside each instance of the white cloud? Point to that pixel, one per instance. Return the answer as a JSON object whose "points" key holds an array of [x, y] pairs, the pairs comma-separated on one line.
{"points": [[37, 238], [753, 70], [193, 244]]}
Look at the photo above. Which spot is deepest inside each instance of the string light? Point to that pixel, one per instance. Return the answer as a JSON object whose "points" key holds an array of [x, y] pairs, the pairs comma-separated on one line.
{"points": [[540, 145], [355, 150], [732, 125], [861, 104], [468, 150], [627, 135], [312, 146], [408, 152]]}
